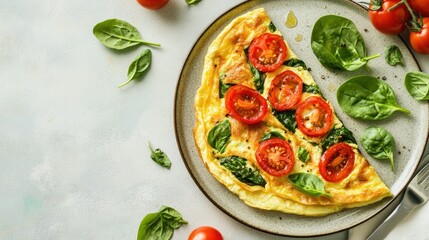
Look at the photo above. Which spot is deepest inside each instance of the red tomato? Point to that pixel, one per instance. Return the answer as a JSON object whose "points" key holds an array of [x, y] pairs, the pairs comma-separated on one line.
{"points": [[285, 90], [245, 104], [420, 6], [389, 22], [267, 52], [205, 233], [337, 162], [420, 40], [153, 4], [275, 156], [314, 117]]}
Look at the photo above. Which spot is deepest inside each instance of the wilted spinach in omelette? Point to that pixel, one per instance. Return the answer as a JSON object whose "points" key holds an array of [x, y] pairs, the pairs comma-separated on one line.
{"points": [[264, 130]]}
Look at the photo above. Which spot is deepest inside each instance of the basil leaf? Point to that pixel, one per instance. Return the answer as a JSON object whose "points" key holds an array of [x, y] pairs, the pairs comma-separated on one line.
{"points": [[223, 88], [139, 66], [303, 154], [417, 84], [160, 157], [270, 135], [287, 119], [294, 62], [311, 89], [245, 174], [272, 27], [160, 225], [379, 143], [309, 184], [190, 2], [118, 34], [368, 98], [337, 135], [393, 55], [219, 135], [337, 43]]}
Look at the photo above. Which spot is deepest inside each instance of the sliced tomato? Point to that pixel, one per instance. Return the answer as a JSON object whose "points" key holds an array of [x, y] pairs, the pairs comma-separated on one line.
{"points": [[285, 90], [314, 117], [337, 162], [275, 156], [245, 104], [267, 52]]}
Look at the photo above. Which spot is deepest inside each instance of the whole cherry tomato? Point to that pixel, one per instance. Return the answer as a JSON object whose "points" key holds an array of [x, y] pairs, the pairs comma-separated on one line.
{"points": [[205, 233], [388, 20], [153, 4], [420, 6], [419, 38]]}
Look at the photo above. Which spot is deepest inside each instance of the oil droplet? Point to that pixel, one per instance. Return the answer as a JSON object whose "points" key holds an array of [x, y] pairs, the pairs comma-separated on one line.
{"points": [[298, 38], [291, 20]]}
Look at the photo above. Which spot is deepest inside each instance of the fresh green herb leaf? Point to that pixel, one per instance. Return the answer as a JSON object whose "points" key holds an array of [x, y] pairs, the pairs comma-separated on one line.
{"points": [[417, 84], [118, 34], [379, 143], [270, 135], [190, 2], [160, 225], [337, 135], [294, 62], [303, 154], [337, 43], [287, 119], [309, 184], [311, 89], [258, 77], [223, 87], [393, 55], [139, 66], [240, 169], [160, 157], [219, 135], [368, 98], [272, 27]]}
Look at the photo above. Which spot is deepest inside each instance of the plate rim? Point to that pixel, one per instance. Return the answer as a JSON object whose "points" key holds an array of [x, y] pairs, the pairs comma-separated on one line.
{"points": [[182, 154]]}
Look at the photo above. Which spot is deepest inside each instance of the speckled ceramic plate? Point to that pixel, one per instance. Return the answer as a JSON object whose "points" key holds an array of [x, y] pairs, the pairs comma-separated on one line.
{"points": [[409, 131]]}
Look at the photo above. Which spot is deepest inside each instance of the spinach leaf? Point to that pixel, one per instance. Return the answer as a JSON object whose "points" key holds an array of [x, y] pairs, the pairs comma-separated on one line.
{"points": [[303, 154], [272, 27], [379, 143], [337, 135], [417, 84], [258, 76], [223, 87], [311, 89], [337, 43], [287, 119], [219, 135], [239, 168], [190, 2], [160, 157], [118, 34], [294, 62], [393, 55], [368, 98], [270, 135], [160, 225], [139, 66], [309, 184]]}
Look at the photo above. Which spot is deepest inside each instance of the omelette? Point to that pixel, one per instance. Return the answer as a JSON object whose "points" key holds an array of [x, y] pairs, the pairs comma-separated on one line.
{"points": [[264, 130]]}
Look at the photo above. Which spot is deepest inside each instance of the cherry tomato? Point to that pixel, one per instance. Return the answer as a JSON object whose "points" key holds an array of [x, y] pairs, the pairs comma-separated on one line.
{"points": [[337, 162], [420, 40], [389, 22], [285, 90], [275, 156], [245, 104], [267, 52], [205, 233], [420, 6], [153, 4], [314, 117]]}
